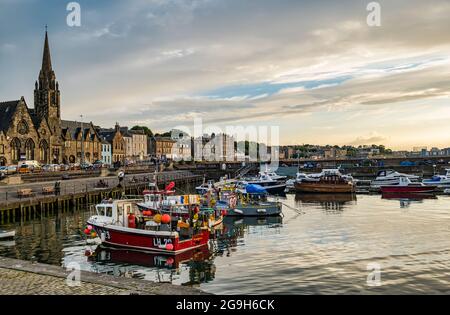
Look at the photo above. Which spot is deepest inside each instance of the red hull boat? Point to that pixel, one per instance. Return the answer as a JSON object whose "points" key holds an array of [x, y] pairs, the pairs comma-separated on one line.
{"points": [[406, 186], [142, 258], [120, 223], [407, 189], [154, 241]]}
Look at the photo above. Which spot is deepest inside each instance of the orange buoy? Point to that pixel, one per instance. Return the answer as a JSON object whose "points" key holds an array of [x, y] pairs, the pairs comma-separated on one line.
{"points": [[157, 218], [165, 219]]}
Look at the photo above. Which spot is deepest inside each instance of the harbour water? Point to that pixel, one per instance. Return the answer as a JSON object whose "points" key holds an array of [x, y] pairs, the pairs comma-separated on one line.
{"points": [[327, 244]]}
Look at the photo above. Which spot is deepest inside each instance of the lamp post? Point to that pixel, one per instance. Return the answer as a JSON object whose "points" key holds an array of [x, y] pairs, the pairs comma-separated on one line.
{"points": [[82, 141]]}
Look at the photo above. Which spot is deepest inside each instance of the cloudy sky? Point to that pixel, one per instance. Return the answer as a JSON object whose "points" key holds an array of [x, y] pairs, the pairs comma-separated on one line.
{"points": [[313, 68]]}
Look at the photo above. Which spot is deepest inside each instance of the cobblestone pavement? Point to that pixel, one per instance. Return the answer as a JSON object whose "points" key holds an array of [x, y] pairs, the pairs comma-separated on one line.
{"points": [[14, 282], [28, 278]]}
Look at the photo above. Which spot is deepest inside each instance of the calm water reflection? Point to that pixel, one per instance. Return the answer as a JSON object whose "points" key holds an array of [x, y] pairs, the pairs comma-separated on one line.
{"points": [[323, 244]]}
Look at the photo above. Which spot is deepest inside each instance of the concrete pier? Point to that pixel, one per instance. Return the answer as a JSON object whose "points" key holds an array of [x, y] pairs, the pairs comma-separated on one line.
{"points": [[78, 193]]}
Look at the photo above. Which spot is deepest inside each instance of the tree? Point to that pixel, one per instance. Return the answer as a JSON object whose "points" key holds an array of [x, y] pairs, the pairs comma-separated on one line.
{"points": [[146, 130], [165, 134]]}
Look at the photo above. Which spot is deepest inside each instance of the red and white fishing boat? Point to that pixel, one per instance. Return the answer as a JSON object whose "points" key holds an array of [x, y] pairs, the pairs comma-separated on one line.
{"points": [[406, 186], [120, 223]]}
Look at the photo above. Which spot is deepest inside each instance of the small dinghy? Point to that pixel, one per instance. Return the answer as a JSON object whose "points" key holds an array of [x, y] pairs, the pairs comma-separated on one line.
{"points": [[7, 234]]}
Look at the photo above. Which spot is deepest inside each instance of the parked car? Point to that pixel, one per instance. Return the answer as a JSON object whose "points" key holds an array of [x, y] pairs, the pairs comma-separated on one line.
{"points": [[86, 166], [64, 167], [34, 165], [3, 170], [11, 169], [98, 164], [74, 166], [51, 168], [25, 169]]}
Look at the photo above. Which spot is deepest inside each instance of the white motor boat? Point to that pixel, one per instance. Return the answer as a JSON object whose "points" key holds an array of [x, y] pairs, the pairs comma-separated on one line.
{"points": [[439, 180], [272, 174], [205, 187], [390, 178], [272, 186], [7, 234]]}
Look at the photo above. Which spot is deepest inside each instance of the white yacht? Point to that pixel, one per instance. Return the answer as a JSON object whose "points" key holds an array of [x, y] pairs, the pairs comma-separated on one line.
{"points": [[271, 174], [271, 185], [390, 178], [439, 180]]}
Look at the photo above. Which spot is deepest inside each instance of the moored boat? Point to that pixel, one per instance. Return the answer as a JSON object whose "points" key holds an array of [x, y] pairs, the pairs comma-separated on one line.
{"points": [[203, 188], [273, 183], [127, 256], [406, 186], [442, 181], [334, 183], [389, 178], [7, 234], [120, 223], [273, 187], [251, 202]]}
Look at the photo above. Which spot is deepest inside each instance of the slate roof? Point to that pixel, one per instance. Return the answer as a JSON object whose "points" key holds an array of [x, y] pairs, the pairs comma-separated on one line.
{"points": [[125, 132], [7, 110], [73, 128], [107, 134]]}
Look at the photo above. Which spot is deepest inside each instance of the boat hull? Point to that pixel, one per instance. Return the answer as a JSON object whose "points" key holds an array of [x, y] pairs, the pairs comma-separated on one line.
{"points": [[272, 188], [408, 189], [119, 255], [442, 184], [255, 211], [276, 190], [147, 240], [7, 234], [317, 187]]}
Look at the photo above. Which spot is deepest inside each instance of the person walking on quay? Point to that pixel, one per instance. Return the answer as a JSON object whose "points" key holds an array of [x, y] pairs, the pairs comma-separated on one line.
{"points": [[121, 177]]}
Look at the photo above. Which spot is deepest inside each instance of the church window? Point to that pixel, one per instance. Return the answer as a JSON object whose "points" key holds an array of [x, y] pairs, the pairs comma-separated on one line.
{"points": [[15, 149], [22, 127], [29, 149]]}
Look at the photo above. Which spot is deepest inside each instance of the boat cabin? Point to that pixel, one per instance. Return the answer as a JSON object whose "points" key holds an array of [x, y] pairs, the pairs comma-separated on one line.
{"points": [[116, 212]]}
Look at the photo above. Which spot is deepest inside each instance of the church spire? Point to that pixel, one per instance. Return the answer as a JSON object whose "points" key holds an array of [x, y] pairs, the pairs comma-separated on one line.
{"points": [[46, 59]]}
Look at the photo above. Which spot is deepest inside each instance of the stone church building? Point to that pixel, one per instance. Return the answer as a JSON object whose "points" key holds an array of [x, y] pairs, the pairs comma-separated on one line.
{"points": [[40, 134]]}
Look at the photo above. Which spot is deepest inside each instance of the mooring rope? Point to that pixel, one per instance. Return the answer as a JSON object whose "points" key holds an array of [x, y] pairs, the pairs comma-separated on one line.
{"points": [[293, 209]]}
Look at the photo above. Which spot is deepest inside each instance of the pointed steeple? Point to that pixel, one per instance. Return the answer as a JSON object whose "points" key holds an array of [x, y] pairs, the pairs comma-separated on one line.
{"points": [[46, 59]]}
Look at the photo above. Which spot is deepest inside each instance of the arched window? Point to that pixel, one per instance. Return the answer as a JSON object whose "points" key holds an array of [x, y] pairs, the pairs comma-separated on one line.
{"points": [[2, 161], [29, 149], [43, 151], [15, 150]]}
